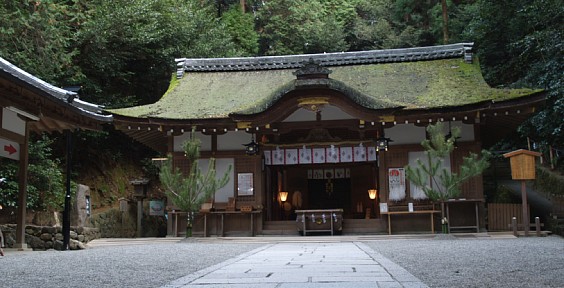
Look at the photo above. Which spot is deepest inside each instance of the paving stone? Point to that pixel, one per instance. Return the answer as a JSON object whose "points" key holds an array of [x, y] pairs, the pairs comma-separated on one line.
{"points": [[304, 265], [390, 284], [330, 285]]}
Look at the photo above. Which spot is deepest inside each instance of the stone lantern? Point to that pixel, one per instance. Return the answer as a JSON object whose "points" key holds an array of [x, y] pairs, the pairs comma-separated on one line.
{"points": [[140, 187]]}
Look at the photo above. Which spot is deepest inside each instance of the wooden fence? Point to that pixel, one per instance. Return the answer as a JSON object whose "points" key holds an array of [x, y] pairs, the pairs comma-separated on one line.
{"points": [[500, 214]]}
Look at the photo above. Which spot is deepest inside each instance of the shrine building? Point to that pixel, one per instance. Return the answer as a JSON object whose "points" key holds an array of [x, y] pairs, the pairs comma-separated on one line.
{"points": [[312, 138]]}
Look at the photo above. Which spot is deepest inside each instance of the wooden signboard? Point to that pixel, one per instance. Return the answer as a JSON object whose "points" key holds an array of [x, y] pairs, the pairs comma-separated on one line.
{"points": [[523, 168], [522, 164]]}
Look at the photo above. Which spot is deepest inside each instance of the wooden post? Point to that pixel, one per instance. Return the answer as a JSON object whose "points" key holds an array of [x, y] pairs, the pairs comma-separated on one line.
{"points": [[514, 225], [551, 158], [243, 4], [526, 221], [537, 226], [66, 212], [22, 195], [139, 217]]}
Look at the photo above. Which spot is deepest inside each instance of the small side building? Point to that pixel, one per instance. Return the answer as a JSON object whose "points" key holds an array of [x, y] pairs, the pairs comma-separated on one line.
{"points": [[31, 105]]}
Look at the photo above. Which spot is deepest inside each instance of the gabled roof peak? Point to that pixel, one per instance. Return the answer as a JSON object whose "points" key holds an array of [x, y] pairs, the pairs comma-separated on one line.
{"points": [[326, 59]]}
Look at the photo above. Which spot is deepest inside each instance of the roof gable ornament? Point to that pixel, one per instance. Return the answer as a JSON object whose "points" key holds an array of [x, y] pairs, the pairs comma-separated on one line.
{"points": [[312, 69], [468, 52]]}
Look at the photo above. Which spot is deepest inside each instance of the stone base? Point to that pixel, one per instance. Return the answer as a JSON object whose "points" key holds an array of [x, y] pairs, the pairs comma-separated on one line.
{"points": [[21, 247]]}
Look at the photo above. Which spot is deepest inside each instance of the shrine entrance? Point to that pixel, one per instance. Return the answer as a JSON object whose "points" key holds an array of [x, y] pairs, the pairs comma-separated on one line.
{"points": [[326, 186]]}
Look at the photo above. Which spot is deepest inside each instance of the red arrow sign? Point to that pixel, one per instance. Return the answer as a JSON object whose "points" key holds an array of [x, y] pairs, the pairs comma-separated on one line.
{"points": [[10, 149]]}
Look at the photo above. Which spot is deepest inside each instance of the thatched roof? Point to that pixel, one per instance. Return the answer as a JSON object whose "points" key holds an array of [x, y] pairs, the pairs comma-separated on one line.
{"points": [[416, 78]]}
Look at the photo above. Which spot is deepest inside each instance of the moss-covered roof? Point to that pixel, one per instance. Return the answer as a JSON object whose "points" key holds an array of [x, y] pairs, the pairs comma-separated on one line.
{"points": [[407, 85]]}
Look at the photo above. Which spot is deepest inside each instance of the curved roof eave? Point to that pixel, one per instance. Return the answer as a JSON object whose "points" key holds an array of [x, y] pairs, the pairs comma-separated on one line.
{"points": [[62, 97], [538, 97]]}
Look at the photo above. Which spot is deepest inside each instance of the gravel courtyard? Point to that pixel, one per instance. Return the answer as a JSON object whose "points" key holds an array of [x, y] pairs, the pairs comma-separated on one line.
{"points": [[514, 262], [438, 262]]}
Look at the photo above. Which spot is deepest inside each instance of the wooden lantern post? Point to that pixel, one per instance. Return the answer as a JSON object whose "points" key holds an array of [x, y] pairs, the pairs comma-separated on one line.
{"points": [[523, 168]]}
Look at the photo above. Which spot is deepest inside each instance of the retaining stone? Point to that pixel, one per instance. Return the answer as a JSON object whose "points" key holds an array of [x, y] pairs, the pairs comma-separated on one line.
{"points": [[47, 237]]}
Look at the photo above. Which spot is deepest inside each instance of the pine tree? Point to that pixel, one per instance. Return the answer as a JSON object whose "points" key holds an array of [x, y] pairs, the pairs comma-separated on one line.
{"points": [[438, 183], [190, 191]]}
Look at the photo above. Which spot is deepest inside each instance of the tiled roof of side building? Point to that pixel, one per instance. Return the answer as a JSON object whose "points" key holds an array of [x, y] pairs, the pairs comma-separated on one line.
{"points": [[62, 96]]}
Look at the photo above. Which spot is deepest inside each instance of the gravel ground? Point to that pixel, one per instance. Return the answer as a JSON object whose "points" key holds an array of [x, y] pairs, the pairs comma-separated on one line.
{"points": [[460, 262], [150, 265], [474, 262]]}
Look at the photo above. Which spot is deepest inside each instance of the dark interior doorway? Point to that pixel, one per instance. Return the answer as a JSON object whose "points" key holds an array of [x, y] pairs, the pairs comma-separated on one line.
{"points": [[329, 193]]}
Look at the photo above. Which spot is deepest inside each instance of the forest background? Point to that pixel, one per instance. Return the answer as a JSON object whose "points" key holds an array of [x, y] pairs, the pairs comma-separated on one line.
{"points": [[121, 53]]}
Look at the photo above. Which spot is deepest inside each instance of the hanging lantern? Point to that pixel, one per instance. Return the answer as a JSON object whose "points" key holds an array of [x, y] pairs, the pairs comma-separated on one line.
{"points": [[372, 193], [382, 143], [251, 148], [283, 196]]}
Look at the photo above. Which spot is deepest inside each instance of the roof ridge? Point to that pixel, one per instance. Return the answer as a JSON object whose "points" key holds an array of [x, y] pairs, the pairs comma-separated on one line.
{"points": [[326, 59]]}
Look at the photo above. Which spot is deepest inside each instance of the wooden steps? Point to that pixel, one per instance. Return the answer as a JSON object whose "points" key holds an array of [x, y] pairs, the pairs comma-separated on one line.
{"points": [[364, 226], [280, 228], [350, 227]]}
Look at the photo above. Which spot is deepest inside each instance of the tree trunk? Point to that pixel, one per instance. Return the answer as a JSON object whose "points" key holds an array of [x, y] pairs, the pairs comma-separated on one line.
{"points": [[444, 223], [188, 224], [445, 21]]}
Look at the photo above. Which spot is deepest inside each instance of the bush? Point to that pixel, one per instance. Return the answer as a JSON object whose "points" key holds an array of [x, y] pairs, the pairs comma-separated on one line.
{"points": [[549, 182], [45, 187]]}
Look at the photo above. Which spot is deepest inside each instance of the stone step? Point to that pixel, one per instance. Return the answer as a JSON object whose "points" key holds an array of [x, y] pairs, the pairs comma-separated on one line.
{"points": [[350, 226]]}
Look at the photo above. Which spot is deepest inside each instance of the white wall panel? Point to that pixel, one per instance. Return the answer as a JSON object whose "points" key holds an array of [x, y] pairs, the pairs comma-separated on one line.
{"points": [[221, 166], [178, 140], [405, 134], [233, 141], [328, 112]]}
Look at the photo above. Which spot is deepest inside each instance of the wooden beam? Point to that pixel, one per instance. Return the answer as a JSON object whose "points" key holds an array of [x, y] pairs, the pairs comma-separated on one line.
{"points": [[12, 136]]}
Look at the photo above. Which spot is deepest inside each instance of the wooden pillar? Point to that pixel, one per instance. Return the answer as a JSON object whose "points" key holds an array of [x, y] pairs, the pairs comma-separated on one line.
{"points": [[22, 195], [66, 213], [269, 193], [526, 221]]}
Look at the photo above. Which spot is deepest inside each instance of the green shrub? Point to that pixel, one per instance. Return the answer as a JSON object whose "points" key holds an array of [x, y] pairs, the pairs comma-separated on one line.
{"points": [[549, 182]]}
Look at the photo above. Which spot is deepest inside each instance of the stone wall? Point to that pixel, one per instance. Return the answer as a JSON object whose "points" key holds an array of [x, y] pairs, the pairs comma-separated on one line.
{"points": [[49, 237], [115, 223]]}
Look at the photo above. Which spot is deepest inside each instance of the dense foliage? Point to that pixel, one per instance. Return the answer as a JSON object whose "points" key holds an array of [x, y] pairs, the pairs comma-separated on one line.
{"points": [[525, 49], [45, 188], [122, 52]]}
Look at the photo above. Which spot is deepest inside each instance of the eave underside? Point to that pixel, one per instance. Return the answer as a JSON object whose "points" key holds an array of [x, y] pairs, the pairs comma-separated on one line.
{"points": [[53, 116], [495, 120]]}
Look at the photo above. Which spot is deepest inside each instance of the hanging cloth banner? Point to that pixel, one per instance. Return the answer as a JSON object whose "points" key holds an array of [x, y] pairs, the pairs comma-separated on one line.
{"points": [[396, 182], [305, 156], [332, 154], [291, 156]]}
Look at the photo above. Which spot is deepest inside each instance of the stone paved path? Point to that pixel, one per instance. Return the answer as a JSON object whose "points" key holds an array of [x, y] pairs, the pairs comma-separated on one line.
{"points": [[303, 265]]}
